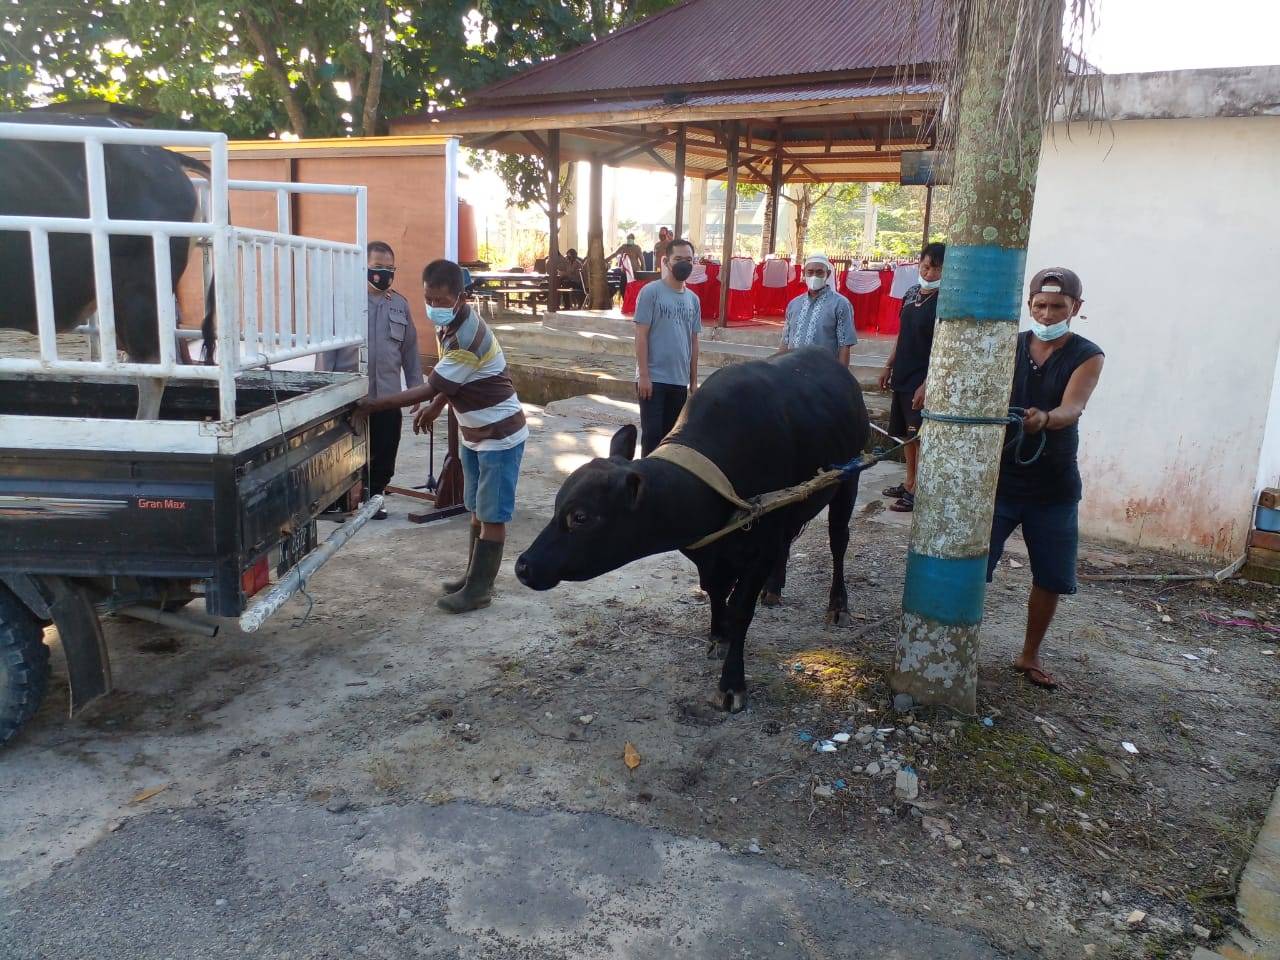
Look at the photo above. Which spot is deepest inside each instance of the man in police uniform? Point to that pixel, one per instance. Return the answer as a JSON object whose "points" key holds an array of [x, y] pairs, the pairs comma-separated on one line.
{"points": [[393, 349]]}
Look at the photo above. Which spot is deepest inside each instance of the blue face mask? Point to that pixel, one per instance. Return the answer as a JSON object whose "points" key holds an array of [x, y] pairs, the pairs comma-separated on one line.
{"points": [[1051, 332], [441, 316]]}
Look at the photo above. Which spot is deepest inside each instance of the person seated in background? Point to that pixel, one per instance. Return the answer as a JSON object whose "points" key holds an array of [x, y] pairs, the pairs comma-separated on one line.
{"points": [[819, 317], [570, 274]]}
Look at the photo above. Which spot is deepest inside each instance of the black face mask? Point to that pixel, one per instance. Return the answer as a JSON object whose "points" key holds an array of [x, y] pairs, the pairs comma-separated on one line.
{"points": [[681, 270], [380, 279]]}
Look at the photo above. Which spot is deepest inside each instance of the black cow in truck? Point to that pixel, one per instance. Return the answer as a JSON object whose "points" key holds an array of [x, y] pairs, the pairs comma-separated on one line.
{"points": [[48, 179]]}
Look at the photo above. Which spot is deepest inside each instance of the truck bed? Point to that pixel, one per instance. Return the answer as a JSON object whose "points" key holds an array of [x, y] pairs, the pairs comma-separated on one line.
{"points": [[184, 496]]}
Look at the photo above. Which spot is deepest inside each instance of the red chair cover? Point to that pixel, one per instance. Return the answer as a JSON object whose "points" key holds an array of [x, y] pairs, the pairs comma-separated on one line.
{"points": [[633, 293], [890, 307]]}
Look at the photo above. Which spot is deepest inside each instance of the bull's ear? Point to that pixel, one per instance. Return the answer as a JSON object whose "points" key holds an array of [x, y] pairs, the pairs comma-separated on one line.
{"points": [[634, 485], [623, 443]]}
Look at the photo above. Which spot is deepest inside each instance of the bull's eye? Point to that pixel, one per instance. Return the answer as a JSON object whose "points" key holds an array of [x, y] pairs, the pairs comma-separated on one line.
{"points": [[575, 519]]}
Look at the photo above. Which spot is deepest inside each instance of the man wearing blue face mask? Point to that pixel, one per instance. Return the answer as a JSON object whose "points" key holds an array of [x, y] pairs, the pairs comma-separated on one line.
{"points": [[471, 375], [1054, 376], [393, 348]]}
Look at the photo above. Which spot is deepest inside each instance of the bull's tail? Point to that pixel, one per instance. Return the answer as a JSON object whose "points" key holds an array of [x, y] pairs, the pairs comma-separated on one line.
{"points": [[209, 326]]}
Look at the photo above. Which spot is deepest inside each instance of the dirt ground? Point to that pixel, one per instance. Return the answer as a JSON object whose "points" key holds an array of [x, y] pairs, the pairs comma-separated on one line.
{"points": [[1035, 828]]}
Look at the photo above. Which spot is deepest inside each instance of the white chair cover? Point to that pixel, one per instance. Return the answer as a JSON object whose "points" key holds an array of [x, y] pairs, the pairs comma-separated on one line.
{"points": [[862, 281], [777, 272], [904, 277], [699, 274], [741, 273]]}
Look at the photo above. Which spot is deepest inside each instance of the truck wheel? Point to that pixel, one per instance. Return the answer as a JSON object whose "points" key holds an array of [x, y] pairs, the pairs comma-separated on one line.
{"points": [[24, 665]]}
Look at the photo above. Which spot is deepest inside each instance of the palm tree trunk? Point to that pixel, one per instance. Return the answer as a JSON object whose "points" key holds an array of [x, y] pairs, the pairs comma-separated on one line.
{"points": [[997, 154]]}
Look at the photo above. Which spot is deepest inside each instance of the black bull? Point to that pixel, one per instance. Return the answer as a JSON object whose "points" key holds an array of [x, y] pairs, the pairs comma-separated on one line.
{"points": [[768, 425], [44, 179]]}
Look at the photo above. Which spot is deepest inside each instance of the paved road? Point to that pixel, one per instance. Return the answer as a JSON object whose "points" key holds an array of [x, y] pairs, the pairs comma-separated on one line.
{"points": [[291, 881]]}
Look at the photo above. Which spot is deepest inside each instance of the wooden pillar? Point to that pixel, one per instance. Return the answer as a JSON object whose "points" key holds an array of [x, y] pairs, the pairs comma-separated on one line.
{"points": [[775, 195], [597, 282], [680, 151], [730, 210], [928, 215], [553, 214]]}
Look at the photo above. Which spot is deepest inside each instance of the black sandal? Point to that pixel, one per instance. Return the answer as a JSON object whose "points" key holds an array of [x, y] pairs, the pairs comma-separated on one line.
{"points": [[898, 491], [905, 504]]}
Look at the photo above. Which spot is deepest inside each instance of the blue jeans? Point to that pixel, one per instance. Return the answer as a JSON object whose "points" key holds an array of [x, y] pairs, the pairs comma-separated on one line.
{"points": [[1052, 534], [489, 482]]}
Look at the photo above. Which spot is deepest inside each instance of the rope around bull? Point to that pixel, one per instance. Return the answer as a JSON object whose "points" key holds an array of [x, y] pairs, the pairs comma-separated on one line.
{"points": [[765, 503]]}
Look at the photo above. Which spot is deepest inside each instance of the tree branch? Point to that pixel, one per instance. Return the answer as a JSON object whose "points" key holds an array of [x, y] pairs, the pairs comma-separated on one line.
{"points": [[378, 45], [276, 70]]}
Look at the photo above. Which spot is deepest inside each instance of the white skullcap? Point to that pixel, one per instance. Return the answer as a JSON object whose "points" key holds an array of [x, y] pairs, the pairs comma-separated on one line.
{"points": [[819, 258], [826, 262]]}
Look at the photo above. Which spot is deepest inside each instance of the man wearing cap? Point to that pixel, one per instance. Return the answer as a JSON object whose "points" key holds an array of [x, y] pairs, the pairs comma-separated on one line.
{"points": [[820, 317], [1054, 376]]}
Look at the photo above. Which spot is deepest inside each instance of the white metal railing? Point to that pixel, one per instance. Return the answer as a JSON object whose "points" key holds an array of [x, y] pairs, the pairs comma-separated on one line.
{"points": [[278, 295]]}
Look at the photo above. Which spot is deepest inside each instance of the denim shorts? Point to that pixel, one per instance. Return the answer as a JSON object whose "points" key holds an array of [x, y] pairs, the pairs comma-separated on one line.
{"points": [[489, 482], [1052, 534]]}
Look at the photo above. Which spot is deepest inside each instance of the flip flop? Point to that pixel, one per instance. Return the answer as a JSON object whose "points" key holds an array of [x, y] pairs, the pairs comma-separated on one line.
{"points": [[898, 491], [1036, 677], [905, 504]]}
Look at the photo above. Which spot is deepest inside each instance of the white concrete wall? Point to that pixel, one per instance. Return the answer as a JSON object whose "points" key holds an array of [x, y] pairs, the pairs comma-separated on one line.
{"points": [[1174, 228]]}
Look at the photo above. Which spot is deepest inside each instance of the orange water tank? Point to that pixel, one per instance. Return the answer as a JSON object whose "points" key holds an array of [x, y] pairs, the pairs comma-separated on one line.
{"points": [[466, 232]]}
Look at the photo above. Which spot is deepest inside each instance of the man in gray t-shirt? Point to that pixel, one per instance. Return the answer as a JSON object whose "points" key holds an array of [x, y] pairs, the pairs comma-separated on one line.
{"points": [[668, 320]]}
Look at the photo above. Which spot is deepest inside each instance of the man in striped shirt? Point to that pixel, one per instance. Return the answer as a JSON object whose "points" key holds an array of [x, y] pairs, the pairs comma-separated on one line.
{"points": [[471, 376]]}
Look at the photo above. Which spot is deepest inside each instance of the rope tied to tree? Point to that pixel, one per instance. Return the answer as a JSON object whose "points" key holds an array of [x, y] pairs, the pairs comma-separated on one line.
{"points": [[1014, 418]]}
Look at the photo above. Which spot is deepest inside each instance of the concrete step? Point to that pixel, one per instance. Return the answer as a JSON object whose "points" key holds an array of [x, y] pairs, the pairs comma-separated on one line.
{"points": [[763, 335], [543, 338], [544, 375]]}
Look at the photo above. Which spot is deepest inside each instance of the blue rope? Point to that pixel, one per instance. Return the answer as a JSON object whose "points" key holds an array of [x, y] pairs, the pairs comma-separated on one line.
{"points": [[1012, 419]]}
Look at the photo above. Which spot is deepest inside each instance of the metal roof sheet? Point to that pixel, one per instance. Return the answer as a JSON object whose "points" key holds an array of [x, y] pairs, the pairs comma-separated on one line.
{"points": [[717, 41]]}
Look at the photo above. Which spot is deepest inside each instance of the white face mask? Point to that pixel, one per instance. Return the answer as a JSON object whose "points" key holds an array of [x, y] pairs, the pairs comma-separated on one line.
{"points": [[930, 284], [1051, 332], [815, 283]]}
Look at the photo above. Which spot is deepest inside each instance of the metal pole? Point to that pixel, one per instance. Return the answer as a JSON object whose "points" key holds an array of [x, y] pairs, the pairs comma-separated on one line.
{"points": [[553, 214], [730, 209], [971, 365], [680, 165]]}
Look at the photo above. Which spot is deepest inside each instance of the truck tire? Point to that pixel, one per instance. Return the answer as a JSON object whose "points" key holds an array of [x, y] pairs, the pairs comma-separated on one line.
{"points": [[24, 665]]}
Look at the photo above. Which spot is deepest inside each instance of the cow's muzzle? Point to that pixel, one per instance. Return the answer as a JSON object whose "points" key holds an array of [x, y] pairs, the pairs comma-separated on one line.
{"points": [[527, 574]]}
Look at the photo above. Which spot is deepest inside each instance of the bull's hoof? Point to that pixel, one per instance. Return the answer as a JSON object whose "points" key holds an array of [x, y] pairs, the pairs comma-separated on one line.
{"points": [[769, 599], [839, 618], [731, 701], [717, 648]]}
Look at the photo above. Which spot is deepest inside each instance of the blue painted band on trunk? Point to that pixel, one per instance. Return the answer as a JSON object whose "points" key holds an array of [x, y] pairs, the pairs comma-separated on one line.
{"points": [[982, 283], [948, 590]]}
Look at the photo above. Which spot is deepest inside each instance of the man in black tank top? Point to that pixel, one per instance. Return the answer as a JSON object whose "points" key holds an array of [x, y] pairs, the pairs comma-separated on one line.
{"points": [[1054, 376]]}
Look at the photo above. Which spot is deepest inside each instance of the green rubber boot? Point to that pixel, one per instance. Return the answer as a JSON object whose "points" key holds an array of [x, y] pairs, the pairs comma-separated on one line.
{"points": [[477, 592], [453, 586]]}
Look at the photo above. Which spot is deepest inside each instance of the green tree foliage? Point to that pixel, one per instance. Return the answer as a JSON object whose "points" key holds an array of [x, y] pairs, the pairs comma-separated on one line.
{"points": [[265, 67]]}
